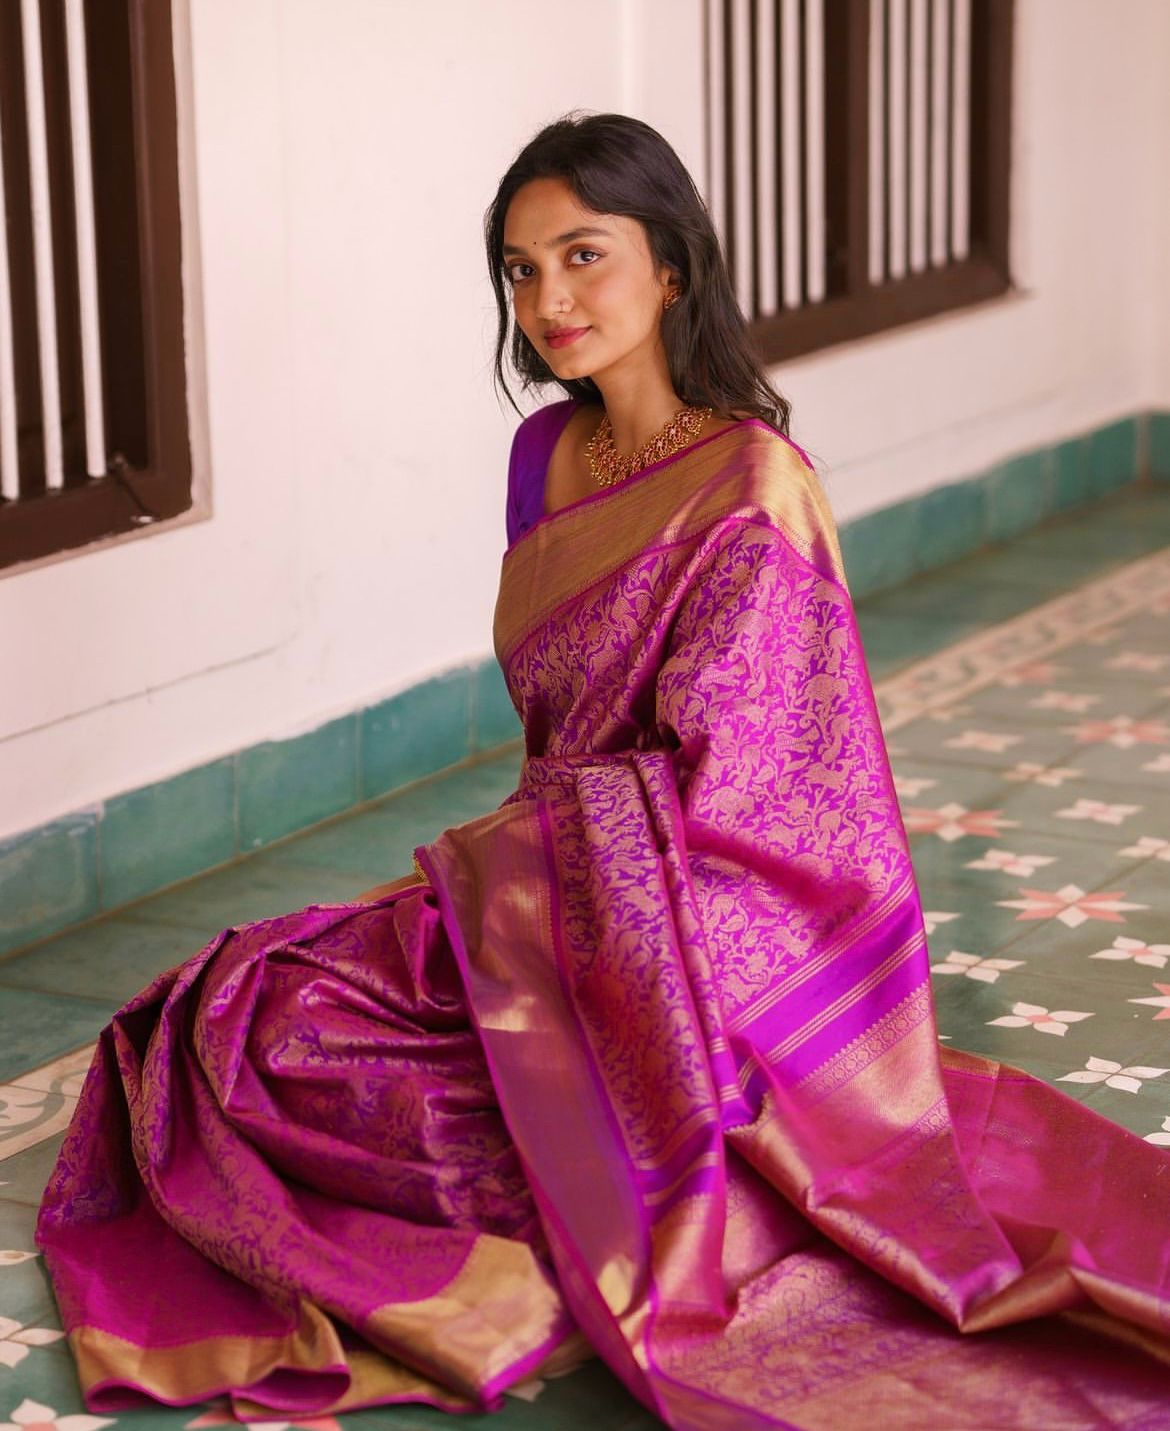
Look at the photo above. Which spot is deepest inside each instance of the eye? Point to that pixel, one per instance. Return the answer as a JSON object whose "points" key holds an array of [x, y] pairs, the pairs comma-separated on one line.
{"points": [[518, 278], [590, 253]]}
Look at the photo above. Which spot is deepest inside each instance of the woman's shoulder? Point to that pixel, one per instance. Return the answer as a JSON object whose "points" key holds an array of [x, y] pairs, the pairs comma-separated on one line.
{"points": [[543, 420]]}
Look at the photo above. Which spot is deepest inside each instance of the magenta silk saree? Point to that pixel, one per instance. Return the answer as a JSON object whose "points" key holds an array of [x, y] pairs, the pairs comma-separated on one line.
{"points": [[648, 1069]]}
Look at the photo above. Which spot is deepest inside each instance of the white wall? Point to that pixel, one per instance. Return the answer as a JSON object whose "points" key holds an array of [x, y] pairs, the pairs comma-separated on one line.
{"points": [[342, 153]]}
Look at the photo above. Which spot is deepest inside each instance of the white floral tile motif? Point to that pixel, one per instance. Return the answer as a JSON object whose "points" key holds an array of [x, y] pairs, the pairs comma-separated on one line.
{"points": [[953, 821], [1160, 765], [1121, 731], [1099, 811], [907, 787], [946, 714], [1032, 673], [14, 1256], [1071, 905], [1147, 846], [1010, 863], [933, 918], [31, 1414], [1063, 701], [1049, 1021], [16, 1340], [1136, 661], [1111, 1074], [1162, 1136], [1161, 1002], [1138, 950], [972, 966], [993, 742], [1030, 770]]}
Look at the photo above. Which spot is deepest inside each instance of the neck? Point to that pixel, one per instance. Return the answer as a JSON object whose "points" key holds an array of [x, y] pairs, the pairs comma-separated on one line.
{"points": [[638, 404]]}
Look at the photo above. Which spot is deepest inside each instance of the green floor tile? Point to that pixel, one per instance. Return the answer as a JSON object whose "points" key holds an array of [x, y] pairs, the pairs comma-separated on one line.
{"points": [[961, 601], [25, 1174], [891, 641], [25, 1293], [256, 888], [108, 960], [36, 1027], [380, 839]]}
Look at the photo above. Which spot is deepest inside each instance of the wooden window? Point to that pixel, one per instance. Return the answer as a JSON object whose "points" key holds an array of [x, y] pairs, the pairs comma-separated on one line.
{"points": [[93, 394], [858, 161]]}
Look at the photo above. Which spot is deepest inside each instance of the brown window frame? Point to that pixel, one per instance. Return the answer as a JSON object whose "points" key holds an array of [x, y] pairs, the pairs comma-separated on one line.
{"points": [[140, 289], [853, 306]]}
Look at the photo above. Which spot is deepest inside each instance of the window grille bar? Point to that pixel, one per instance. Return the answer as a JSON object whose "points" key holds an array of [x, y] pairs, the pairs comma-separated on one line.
{"points": [[896, 111], [740, 158], [814, 130], [716, 107], [877, 141], [9, 450], [38, 162], [87, 283], [939, 130], [791, 206], [767, 239], [961, 131], [918, 136]]}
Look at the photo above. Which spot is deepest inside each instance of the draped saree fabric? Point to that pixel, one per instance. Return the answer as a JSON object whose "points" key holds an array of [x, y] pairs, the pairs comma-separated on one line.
{"points": [[648, 1069]]}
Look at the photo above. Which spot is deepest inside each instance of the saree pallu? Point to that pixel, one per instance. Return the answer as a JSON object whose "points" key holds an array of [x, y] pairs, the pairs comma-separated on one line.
{"points": [[648, 1069]]}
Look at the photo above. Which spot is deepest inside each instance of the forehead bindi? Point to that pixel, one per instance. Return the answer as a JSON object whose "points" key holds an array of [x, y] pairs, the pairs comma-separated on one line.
{"points": [[582, 231]]}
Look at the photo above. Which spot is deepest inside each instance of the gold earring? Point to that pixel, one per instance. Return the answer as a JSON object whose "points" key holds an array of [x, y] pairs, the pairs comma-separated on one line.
{"points": [[671, 298]]}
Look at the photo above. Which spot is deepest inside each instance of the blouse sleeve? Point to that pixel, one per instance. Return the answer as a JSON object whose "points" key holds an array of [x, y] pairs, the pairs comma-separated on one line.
{"points": [[532, 447], [512, 507]]}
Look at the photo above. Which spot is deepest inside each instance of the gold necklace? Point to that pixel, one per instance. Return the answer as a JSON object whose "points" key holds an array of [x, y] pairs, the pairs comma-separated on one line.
{"points": [[607, 467]]}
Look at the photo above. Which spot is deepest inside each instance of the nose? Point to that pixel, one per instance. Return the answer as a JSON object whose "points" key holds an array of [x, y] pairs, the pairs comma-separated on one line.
{"points": [[552, 295]]}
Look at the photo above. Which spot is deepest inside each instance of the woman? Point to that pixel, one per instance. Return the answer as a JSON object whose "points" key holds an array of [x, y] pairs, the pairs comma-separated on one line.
{"points": [[641, 1064]]}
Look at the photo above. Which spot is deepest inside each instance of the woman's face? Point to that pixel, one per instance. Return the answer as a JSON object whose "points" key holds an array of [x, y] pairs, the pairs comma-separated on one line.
{"points": [[585, 289]]}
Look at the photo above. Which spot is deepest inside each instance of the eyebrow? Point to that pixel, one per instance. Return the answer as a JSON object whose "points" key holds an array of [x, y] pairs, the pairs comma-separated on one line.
{"points": [[565, 238]]}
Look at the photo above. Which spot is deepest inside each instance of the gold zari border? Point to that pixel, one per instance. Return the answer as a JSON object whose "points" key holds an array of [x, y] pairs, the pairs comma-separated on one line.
{"points": [[746, 471]]}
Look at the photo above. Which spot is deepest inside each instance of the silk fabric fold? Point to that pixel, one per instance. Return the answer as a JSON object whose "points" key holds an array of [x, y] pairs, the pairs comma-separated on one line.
{"points": [[649, 1068]]}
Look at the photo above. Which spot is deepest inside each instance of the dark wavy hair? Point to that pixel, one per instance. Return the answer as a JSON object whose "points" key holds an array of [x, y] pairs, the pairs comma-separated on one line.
{"points": [[618, 165]]}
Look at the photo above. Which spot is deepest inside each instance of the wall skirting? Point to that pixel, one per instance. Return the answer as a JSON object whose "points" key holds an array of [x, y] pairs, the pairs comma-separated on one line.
{"points": [[134, 844]]}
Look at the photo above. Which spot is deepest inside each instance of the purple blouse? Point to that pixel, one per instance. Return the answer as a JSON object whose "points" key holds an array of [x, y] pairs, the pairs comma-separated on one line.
{"points": [[532, 447]]}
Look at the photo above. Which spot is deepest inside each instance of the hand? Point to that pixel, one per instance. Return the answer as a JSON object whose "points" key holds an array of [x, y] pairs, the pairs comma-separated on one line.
{"points": [[379, 890]]}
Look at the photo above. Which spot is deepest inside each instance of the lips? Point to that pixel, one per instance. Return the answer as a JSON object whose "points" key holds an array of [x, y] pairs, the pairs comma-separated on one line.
{"points": [[562, 337]]}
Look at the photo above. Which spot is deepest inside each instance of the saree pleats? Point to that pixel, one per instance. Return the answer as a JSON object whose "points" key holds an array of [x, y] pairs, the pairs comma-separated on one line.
{"points": [[649, 1068], [288, 1153]]}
